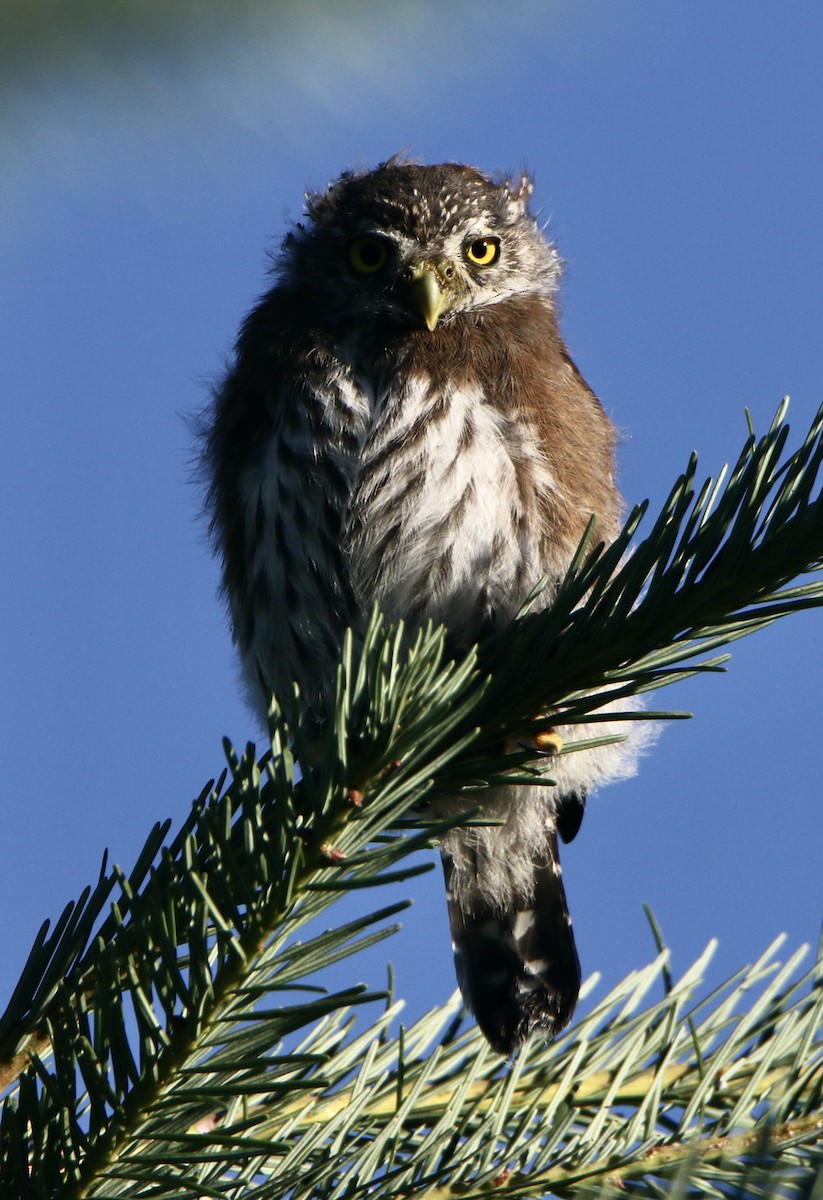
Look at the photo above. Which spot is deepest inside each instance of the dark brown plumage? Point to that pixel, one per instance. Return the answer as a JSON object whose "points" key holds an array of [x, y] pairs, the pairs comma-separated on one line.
{"points": [[403, 424]]}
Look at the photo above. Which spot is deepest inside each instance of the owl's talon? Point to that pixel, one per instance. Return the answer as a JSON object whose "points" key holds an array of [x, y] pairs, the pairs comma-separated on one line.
{"points": [[545, 741], [548, 741]]}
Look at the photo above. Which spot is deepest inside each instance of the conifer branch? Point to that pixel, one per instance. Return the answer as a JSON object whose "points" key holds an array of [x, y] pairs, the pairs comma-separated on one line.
{"points": [[182, 1046]]}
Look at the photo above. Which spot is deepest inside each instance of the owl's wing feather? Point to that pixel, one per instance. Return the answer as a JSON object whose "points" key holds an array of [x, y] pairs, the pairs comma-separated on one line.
{"points": [[281, 452]]}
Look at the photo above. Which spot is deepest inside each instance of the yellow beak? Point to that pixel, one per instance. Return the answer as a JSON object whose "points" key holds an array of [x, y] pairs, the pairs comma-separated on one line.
{"points": [[427, 295]]}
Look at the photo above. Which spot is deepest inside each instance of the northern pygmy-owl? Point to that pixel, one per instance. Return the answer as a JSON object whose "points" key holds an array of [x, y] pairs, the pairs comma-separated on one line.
{"points": [[404, 424]]}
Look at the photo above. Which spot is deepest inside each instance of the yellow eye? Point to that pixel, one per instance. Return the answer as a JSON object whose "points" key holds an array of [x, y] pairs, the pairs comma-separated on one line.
{"points": [[368, 254], [483, 251]]}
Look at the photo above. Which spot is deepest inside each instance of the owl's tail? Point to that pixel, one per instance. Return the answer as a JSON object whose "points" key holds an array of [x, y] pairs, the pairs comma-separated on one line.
{"points": [[518, 969]]}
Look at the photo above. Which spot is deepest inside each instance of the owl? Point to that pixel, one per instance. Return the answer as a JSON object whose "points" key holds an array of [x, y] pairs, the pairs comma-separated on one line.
{"points": [[403, 424]]}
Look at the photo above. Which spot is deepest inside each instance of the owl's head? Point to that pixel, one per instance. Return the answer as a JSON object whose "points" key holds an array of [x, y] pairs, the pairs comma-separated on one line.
{"points": [[419, 244]]}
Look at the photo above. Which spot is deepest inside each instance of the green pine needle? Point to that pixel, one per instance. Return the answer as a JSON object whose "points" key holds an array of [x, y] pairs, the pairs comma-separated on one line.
{"points": [[172, 1035]]}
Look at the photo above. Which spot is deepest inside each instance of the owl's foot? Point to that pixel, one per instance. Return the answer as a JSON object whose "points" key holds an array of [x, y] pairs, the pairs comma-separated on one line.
{"points": [[548, 741]]}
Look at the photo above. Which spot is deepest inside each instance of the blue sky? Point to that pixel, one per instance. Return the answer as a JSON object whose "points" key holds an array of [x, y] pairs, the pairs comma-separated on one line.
{"points": [[676, 150]]}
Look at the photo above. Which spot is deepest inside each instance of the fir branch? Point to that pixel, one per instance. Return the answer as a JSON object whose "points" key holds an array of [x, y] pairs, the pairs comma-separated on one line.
{"points": [[714, 567], [192, 957], [181, 1063], [575, 1116]]}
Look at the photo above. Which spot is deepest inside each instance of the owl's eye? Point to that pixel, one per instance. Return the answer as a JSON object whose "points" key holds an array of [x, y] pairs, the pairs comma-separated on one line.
{"points": [[483, 251], [368, 254]]}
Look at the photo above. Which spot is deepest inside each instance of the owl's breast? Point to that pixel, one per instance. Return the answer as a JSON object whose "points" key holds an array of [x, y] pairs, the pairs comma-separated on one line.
{"points": [[446, 518]]}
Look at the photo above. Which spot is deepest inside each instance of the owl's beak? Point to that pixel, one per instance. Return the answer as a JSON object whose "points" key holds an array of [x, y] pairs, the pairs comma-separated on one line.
{"points": [[428, 290]]}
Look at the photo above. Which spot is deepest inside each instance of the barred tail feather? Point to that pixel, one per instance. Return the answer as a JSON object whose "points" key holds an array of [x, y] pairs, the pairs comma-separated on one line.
{"points": [[518, 968]]}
